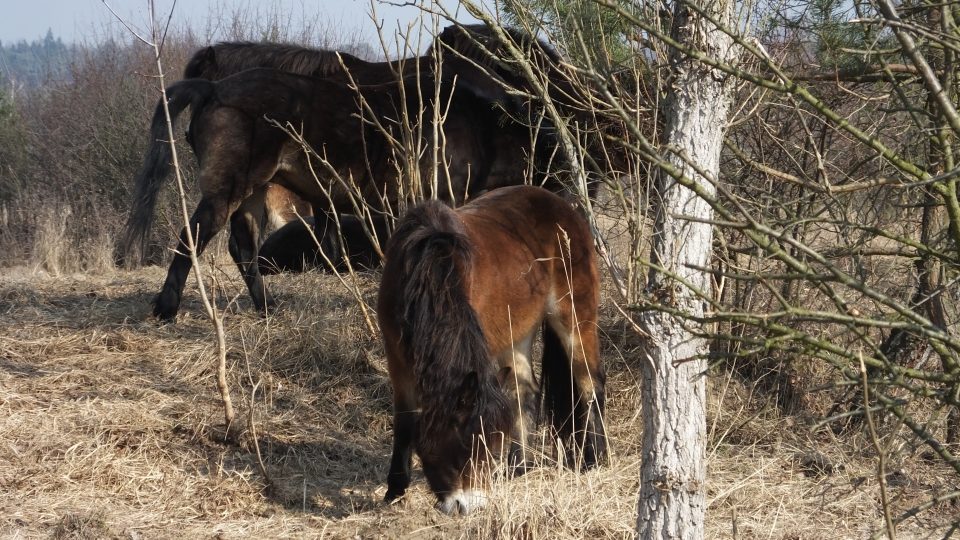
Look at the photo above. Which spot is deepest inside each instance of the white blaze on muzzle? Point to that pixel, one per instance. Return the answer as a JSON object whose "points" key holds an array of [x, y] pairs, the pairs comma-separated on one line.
{"points": [[462, 502]]}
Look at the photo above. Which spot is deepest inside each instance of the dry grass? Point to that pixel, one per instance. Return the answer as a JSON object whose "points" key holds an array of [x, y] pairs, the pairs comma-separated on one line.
{"points": [[109, 427]]}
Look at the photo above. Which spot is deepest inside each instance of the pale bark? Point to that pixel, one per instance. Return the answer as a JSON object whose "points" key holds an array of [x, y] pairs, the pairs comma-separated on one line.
{"points": [[673, 473]]}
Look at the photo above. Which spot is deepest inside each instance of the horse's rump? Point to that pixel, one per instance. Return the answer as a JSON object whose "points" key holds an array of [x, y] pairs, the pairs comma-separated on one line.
{"points": [[156, 166]]}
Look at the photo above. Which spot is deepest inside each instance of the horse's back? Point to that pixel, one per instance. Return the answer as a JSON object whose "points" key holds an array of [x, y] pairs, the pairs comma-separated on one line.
{"points": [[226, 58], [531, 250], [530, 218], [276, 91]]}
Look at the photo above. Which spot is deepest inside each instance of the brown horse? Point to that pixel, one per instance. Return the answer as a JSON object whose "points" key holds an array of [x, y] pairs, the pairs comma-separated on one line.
{"points": [[281, 206], [463, 294]]}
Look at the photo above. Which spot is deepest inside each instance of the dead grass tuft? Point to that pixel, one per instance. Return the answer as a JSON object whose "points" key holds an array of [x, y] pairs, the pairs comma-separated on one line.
{"points": [[81, 527]]}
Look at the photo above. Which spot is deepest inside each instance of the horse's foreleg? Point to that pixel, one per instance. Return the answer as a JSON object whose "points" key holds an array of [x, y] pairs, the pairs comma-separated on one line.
{"points": [[405, 419], [207, 220], [404, 433]]}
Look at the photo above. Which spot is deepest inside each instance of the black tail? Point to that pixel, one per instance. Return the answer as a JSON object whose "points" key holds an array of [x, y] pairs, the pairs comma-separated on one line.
{"points": [[156, 166], [440, 330]]}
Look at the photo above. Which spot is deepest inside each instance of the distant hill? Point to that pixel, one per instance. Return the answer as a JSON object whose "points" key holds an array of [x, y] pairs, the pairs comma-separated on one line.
{"points": [[37, 62]]}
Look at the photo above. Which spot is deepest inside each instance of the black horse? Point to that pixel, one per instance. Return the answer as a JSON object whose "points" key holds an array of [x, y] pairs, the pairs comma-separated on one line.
{"points": [[484, 148], [223, 59], [295, 247], [240, 149]]}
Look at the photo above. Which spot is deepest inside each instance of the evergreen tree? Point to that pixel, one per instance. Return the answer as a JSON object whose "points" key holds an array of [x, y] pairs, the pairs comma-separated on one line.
{"points": [[37, 62], [584, 30]]}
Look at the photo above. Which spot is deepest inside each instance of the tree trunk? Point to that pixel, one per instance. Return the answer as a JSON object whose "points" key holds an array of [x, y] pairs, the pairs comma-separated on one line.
{"points": [[673, 473]]}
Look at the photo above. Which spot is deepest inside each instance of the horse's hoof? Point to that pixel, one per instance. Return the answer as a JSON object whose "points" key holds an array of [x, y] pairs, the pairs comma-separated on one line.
{"points": [[165, 318], [393, 495], [265, 305], [166, 311]]}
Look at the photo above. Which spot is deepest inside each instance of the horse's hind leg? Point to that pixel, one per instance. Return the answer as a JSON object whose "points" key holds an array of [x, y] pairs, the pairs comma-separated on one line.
{"points": [[574, 380], [207, 220], [520, 386], [245, 226]]}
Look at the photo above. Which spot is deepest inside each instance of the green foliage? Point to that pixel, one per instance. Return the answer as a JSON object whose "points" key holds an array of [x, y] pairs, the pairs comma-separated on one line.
{"points": [[825, 27], [836, 38], [582, 28]]}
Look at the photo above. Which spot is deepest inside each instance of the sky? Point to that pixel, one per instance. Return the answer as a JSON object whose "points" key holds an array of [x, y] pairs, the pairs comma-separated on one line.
{"points": [[86, 20]]}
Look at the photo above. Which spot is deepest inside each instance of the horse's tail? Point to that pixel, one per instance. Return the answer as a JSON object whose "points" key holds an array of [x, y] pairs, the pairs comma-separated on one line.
{"points": [[156, 166], [440, 331]]}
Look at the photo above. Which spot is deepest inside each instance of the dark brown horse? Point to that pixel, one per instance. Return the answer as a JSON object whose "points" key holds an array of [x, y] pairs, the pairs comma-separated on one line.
{"points": [[224, 59], [288, 245], [240, 148], [292, 246], [486, 148], [463, 295]]}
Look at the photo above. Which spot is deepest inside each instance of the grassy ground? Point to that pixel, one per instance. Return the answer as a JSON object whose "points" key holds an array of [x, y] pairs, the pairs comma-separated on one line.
{"points": [[110, 427]]}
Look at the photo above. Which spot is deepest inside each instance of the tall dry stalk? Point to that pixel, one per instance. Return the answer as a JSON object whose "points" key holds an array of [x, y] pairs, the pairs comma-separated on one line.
{"points": [[155, 42]]}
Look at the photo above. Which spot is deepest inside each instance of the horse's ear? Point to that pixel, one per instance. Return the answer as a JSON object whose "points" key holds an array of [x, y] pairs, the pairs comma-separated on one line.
{"points": [[210, 55]]}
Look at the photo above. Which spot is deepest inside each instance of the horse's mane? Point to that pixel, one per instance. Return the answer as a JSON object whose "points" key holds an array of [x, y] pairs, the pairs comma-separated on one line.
{"points": [[229, 57], [439, 328]]}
